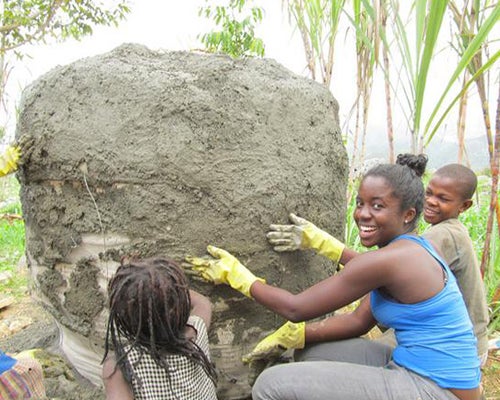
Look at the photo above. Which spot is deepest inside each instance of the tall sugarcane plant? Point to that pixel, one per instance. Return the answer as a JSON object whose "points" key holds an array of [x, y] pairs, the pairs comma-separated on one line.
{"points": [[409, 56], [472, 22], [318, 23], [365, 20]]}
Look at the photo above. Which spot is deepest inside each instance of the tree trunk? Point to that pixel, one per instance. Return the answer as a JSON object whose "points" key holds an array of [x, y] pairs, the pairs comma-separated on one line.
{"points": [[494, 189]]}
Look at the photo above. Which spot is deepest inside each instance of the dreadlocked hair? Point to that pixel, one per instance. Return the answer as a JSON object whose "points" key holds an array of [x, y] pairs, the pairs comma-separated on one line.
{"points": [[149, 306]]}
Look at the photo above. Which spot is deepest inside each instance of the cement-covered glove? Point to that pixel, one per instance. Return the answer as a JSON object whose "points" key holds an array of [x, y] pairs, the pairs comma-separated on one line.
{"points": [[9, 160], [290, 336], [225, 268], [304, 235]]}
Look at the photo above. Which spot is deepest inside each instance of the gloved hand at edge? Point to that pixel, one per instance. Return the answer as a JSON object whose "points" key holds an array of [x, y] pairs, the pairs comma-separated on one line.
{"points": [[289, 336], [304, 235], [16, 154], [225, 268], [9, 160]]}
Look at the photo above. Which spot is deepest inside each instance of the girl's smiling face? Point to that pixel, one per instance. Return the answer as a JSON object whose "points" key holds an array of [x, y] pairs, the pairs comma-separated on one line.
{"points": [[378, 213]]}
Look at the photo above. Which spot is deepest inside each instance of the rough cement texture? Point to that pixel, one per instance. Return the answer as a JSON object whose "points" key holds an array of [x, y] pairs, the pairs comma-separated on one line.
{"points": [[163, 153]]}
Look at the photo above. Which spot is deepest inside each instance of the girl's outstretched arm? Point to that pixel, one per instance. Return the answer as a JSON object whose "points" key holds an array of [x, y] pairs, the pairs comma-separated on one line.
{"points": [[342, 326]]}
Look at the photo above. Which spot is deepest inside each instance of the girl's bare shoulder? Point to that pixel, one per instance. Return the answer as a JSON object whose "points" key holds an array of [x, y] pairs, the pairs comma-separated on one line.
{"points": [[391, 256]]}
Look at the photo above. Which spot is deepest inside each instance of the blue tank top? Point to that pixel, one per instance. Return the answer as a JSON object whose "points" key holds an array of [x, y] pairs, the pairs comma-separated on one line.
{"points": [[6, 362], [435, 336]]}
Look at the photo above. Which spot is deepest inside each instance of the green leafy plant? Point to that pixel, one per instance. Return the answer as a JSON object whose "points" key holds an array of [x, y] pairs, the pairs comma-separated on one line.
{"points": [[27, 22], [32, 21], [236, 34], [11, 239], [318, 24], [476, 222]]}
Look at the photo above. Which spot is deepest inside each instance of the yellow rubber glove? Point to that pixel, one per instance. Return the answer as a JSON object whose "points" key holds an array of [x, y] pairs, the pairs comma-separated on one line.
{"points": [[290, 336], [9, 160], [224, 269], [304, 235], [271, 350], [30, 353]]}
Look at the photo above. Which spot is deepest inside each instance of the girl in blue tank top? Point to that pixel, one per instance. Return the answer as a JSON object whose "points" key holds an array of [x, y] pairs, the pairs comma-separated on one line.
{"points": [[426, 343], [402, 284]]}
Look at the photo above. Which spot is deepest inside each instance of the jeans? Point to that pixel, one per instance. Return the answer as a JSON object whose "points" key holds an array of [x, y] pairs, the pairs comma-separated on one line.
{"points": [[354, 369]]}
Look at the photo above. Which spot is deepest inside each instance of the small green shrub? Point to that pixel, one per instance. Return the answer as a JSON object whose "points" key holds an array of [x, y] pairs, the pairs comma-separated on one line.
{"points": [[11, 238]]}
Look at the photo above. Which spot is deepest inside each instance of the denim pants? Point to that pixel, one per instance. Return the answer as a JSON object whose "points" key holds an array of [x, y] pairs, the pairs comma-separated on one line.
{"points": [[354, 369]]}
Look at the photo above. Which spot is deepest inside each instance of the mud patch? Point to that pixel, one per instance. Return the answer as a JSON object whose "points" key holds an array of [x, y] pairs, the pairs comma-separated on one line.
{"points": [[163, 153], [84, 298]]}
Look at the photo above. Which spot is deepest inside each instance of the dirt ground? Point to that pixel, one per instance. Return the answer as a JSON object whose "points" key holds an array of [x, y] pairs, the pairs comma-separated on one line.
{"points": [[25, 324], [491, 376]]}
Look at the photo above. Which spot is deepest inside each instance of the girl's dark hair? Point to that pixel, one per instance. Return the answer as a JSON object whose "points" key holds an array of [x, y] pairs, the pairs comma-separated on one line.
{"points": [[405, 179], [149, 305]]}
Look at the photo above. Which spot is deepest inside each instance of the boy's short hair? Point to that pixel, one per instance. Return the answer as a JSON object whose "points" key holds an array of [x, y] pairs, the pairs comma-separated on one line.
{"points": [[466, 178]]}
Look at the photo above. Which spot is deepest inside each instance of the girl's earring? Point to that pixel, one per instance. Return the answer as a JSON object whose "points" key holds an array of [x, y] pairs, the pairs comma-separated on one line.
{"points": [[406, 221]]}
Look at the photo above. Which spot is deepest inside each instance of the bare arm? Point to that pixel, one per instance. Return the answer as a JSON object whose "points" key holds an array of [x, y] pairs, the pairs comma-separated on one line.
{"points": [[115, 386], [342, 326], [362, 274], [296, 335], [348, 255], [201, 306]]}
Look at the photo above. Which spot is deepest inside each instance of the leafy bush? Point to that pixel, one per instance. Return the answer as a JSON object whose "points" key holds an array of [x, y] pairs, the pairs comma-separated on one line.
{"points": [[11, 238]]}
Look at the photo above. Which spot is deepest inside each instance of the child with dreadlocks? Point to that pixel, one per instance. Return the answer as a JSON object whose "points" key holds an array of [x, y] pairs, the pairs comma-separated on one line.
{"points": [[157, 328]]}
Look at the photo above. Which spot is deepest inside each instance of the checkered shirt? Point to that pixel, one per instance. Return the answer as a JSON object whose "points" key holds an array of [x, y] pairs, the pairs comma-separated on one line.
{"points": [[188, 380]]}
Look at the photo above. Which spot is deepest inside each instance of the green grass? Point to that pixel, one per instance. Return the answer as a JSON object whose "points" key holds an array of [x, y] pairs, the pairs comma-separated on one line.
{"points": [[475, 220], [11, 239]]}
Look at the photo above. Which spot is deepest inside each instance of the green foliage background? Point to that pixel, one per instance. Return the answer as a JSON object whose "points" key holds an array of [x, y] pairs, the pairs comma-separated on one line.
{"points": [[11, 240]]}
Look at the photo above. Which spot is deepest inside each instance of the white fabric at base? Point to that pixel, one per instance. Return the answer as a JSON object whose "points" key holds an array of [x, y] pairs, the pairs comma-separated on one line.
{"points": [[82, 354]]}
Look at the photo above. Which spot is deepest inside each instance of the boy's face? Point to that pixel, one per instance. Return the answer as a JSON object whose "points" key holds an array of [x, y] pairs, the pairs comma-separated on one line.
{"points": [[443, 200]]}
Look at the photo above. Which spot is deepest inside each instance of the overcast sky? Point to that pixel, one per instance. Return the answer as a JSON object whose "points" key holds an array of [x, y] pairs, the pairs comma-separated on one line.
{"points": [[158, 25], [161, 25]]}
